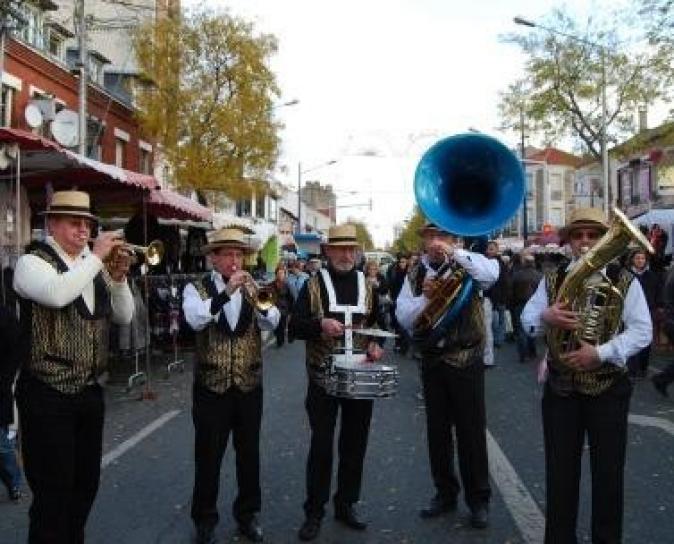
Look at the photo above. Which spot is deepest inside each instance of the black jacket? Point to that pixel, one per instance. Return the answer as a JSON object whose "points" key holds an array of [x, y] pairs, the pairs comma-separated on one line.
{"points": [[9, 363]]}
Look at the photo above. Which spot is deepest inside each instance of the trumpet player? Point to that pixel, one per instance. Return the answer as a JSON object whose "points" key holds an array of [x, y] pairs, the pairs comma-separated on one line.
{"points": [[67, 303], [452, 375], [227, 393], [587, 389]]}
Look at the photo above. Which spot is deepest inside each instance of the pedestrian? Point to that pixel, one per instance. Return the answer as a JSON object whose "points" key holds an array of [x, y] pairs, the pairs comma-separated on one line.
{"points": [[68, 297], [497, 295], [379, 289], [227, 392], [314, 266], [296, 277], [637, 364], [663, 379], [10, 473], [395, 277], [587, 390], [283, 301], [452, 375], [318, 318], [525, 280]]}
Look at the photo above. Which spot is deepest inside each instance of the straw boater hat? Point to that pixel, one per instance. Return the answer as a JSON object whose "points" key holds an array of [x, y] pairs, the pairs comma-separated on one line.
{"points": [[584, 218], [71, 203], [342, 236], [227, 237]]}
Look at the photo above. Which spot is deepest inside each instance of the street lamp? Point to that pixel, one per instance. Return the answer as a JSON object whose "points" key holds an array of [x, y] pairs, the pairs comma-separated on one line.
{"points": [[602, 50], [299, 188], [292, 102]]}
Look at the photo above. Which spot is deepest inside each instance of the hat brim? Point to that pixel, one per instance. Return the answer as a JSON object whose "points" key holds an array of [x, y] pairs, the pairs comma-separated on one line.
{"points": [[564, 232], [68, 213], [345, 243], [208, 248]]}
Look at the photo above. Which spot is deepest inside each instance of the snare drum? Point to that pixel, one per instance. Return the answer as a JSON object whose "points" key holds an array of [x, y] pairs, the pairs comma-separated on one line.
{"points": [[355, 378]]}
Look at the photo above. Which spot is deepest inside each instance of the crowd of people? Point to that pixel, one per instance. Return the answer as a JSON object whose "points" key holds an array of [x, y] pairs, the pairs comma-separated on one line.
{"points": [[66, 286]]}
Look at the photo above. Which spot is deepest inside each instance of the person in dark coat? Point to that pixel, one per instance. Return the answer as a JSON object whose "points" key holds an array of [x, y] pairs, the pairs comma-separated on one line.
{"points": [[283, 300], [662, 379], [650, 283], [10, 474], [525, 279], [395, 277]]}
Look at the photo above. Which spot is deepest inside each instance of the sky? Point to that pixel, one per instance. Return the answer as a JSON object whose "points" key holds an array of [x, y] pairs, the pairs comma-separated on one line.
{"points": [[379, 81]]}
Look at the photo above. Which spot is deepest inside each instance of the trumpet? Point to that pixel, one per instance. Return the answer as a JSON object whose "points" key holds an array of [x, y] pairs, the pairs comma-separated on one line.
{"points": [[153, 252], [260, 296]]}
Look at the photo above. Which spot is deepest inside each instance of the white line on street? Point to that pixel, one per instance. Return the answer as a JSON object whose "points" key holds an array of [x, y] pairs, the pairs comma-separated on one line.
{"points": [[146, 431], [649, 421], [523, 508]]}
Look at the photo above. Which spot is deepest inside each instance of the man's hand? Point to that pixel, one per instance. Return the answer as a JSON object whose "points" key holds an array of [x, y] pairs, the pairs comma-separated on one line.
{"points": [[332, 327], [584, 358], [238, 279], [429, 286], [558, 316], [105, 243], [374, 351]]}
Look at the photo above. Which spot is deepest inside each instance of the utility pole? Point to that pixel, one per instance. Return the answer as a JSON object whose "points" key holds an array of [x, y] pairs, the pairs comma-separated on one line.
{"points": [[80, 17], [299, 198], [525, 226]]}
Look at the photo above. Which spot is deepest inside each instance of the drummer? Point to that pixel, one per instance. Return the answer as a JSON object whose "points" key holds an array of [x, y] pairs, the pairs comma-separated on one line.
{"points": [[319, 317]]}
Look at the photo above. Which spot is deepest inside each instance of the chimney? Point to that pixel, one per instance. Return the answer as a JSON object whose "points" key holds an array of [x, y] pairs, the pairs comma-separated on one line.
{"points": [[643, 118]]}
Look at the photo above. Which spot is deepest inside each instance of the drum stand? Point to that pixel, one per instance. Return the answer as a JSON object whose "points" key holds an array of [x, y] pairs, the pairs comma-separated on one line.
{"points": [[138, 377], [177, 365]]}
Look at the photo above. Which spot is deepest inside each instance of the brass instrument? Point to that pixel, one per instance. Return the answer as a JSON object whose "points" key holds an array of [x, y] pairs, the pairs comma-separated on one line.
{"points": [[153, 253], [260, 296], [591, 294]]}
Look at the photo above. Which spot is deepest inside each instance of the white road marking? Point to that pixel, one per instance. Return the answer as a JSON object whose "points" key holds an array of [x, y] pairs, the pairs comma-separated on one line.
{"points": [[146, 431], [649, 421], [523, 508]]}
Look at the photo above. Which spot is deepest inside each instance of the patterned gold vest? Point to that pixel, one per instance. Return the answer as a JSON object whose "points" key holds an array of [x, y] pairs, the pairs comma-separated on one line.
{"points": [[318, 349], [561, 378], [465, 340], [228, 358], [66, 348]]}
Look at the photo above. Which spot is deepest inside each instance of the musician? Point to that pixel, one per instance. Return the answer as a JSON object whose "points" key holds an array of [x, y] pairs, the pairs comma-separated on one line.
{"points": [[227, 393], [318, 318], [452, 375], [587, 391], [68, 299]]}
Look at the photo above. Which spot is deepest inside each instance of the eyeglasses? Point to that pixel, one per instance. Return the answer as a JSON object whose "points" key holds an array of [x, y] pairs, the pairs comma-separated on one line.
{"points": [[589, 234]]}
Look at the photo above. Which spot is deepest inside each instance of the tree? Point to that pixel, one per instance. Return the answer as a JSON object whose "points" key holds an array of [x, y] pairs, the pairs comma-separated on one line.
{"points": [[561, 92], [362, 234], [209, 104], [409, 239], [658, 16]]}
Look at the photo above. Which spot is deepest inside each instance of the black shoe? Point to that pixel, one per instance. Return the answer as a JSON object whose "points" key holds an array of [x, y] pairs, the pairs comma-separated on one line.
{"points": [[660, 386], [205, 534], [251, 530], [310, 528], [437, 507], [346, 514], [15, 494], [479, 517]]}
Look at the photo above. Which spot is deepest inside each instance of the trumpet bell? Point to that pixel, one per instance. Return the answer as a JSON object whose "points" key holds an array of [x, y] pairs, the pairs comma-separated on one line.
{"points": [[469, 184], [154, 253]]}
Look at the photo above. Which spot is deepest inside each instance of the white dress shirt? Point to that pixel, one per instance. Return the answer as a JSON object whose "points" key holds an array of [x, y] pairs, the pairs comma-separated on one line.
{"points": [[483, 270], [198, 311], [637, 333], [39, 281]]}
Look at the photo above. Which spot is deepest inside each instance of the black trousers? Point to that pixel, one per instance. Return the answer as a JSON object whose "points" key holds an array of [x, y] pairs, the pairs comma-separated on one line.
{"points": [[353, 434], [214, 417], [638, 363], [566, 421], [455, 397], [61, 437], [280, 331]]}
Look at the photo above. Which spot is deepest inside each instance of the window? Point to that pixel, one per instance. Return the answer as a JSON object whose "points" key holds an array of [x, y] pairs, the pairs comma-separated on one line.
{"points": [[530, 185], [33, 31], [556, 190], [94, 136], [55, 45], [6, 106], [120, 153], [144, 166], [244, 207], [260, 205]]}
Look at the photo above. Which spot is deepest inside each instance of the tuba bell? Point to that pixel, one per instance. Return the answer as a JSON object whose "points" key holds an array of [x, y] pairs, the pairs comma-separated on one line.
{"points": [[468, 185]]}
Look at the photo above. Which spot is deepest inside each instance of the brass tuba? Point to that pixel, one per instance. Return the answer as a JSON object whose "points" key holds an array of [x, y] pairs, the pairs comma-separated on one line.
{"points": [[591, 294]]}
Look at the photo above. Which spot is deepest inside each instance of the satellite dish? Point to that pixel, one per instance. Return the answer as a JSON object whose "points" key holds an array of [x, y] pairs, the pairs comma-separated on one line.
{"points": [[33, 116], [64, 128]]}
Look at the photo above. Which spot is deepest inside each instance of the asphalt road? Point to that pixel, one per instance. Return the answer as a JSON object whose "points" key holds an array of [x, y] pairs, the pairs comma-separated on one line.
{"points": [[148, 469]]}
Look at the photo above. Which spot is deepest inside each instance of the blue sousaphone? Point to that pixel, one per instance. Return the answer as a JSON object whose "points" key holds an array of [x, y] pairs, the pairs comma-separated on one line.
{"points": [[468, 185]]}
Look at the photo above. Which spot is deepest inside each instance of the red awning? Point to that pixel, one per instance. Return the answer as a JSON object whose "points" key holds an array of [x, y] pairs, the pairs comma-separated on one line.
{"points": [[43, 160], [168, 204]]}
